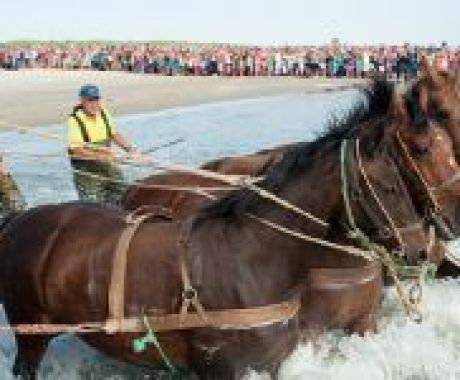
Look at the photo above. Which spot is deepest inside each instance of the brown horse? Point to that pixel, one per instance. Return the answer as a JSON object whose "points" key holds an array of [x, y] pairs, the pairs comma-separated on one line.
{"points": [[425, 154], [63, 254], [440, 95], [150, 191]]}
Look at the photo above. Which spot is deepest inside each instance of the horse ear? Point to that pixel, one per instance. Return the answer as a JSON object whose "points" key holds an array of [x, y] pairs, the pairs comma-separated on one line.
{"points": [[429, 73], [457, 81], [425, 69], [398, 107]]}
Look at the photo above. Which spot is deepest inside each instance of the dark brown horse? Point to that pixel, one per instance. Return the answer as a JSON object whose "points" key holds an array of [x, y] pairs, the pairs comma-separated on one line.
{"points": [[150, 192], [440, 95], [423, 157], [56, 260]]}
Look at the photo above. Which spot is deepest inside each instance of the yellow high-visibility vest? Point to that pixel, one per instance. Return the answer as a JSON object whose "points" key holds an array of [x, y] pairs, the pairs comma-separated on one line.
{"points": [[83, 129]]}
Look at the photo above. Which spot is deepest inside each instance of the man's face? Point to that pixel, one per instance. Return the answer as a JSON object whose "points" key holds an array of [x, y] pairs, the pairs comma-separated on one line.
{"points": [[91, 106]]}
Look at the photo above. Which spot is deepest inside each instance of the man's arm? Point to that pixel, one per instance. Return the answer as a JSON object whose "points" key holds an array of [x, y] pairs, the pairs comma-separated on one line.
{"points": [[117, 137], [120, 140]]}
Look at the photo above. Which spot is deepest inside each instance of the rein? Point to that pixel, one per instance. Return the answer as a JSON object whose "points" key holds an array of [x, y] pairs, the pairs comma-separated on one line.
{"points": [[417, 172], [408, 300], [446, 184], [434, 209], [395, 230]]}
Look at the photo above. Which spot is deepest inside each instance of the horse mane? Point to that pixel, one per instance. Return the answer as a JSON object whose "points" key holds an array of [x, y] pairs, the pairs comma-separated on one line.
{"points": [[375, 104]]}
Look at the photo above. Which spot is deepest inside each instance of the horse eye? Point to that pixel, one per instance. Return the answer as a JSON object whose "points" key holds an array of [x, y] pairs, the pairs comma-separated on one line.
{"points": [[389, 189], [442, 116], [437, 112], [420, 151]]}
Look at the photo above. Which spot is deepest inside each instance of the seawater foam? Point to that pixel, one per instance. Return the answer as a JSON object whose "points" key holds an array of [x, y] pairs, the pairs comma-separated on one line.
{"points": [[401, 348]]}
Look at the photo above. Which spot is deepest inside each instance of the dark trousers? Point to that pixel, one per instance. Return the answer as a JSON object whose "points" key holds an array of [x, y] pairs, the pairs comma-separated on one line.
{"points": [[11, 199], [97, 181]]}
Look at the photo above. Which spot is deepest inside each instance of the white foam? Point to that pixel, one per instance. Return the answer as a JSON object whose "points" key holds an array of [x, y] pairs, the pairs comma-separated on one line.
{"points": [[401, 349]]}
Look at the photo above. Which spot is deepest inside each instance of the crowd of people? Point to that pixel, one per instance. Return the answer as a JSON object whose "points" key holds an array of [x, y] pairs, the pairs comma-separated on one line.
{"points": [[334, 59]]}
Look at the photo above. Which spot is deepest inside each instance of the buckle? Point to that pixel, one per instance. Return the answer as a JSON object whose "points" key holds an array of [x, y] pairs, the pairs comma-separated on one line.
{"points": [[189, 294]]}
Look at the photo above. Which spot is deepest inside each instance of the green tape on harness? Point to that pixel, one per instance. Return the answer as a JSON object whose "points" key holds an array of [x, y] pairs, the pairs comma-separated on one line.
{"points": [[140, 344]]}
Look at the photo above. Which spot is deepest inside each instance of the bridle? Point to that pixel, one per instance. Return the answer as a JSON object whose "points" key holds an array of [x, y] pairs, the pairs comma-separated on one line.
{"points": [[390, 229], [433, 209]]}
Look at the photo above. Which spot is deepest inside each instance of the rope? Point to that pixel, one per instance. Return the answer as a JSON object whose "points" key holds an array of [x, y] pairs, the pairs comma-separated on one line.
{"points": [[377, 199], [31, 131], [447, 184], [282, 202], [236, 181], [417, 171], [345, 185], [380, 253], [368, 255], [140, 344], [192, 189]]}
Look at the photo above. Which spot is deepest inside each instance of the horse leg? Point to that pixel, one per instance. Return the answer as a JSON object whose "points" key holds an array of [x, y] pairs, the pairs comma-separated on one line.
{"points": [[30, 353]]}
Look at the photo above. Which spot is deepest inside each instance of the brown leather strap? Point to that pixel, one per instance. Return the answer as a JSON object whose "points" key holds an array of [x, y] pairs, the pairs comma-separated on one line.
{"points": [[229, 319], [189, 293], [221, 319], [233, 319], [118, 276]]}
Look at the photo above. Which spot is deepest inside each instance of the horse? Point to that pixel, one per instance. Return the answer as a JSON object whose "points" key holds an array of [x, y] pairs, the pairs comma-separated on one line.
{"points": [[63, 255], [440, 95], [156, 189], [425, 153]]}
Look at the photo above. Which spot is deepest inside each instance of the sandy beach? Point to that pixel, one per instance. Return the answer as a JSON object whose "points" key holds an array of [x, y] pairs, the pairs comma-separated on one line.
{"points": [[40, 97]]}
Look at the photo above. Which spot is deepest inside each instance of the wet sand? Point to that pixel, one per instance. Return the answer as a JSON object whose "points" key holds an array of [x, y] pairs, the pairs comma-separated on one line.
{"points": [[40, 97]]}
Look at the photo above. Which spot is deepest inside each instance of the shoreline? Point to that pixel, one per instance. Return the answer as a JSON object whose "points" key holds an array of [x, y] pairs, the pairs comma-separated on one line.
{"points": [[41, 97]]}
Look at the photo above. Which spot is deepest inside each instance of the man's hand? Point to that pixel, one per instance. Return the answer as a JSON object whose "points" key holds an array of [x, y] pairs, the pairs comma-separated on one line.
{"points": [[99, 153], [134, 153]]}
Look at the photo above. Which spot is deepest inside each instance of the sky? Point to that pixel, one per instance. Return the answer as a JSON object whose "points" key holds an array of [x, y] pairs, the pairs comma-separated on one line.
{"points": [[265, 22]]}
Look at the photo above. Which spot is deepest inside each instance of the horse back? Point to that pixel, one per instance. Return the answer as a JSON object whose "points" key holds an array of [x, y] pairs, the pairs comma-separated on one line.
{"points": [[60, 257]]}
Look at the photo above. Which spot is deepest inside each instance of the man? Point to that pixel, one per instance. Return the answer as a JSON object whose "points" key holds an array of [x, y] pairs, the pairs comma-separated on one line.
{"points": [[91, 133]]}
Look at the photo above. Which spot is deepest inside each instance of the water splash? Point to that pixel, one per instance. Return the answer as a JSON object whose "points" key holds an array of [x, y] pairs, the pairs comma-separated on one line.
{"points": [[401, 349]]}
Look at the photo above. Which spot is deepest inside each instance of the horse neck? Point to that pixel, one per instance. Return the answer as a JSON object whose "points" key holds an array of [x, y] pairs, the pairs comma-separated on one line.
{"points": [[260, 264], [316, 191]]}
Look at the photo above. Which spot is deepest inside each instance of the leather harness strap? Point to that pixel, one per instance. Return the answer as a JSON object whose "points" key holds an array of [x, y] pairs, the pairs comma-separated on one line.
{"points": [[228, 319], [189, 293], [116, 296], [246, 318]]}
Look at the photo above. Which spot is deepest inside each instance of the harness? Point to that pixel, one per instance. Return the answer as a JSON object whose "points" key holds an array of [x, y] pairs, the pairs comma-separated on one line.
{"points": [[352, 169], [245, 318], [433, 210], [228, 319], [84, 129], [412, 299]]}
